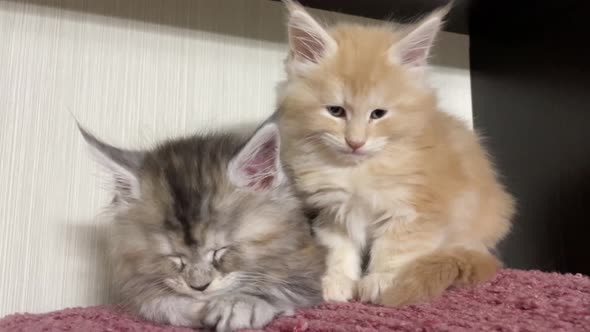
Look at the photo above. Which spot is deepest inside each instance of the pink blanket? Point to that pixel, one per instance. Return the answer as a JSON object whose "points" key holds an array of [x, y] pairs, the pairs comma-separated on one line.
{"points": [[513, 301]]}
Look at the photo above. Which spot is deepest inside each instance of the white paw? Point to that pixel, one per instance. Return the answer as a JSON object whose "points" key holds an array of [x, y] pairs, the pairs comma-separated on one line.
{"points": [[372, 286], [338, 288], [173, 309], [238, 312]]}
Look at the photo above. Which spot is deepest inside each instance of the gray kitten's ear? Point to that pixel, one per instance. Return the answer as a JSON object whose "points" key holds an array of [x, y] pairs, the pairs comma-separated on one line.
{"points": [[122, 165], [414, 48], [258, 166], [308, 40]]}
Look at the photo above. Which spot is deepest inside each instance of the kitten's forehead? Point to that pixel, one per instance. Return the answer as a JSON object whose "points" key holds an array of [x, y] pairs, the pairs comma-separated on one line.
{"points": [[360, 72], [361, 46], [189, 175]]}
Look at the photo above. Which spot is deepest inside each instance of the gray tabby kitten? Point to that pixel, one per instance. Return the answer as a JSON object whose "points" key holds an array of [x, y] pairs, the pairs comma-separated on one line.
{"points": [[208, 231]]}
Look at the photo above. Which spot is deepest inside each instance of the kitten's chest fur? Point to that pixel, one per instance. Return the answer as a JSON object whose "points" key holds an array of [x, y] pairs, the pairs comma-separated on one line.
{"points": [[363, 198]]}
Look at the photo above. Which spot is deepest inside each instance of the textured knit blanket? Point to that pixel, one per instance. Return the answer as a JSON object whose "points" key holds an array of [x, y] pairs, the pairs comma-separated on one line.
{"points": [[513, 301]]}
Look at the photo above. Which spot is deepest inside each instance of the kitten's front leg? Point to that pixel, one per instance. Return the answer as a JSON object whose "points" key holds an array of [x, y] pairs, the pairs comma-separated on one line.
{"points": [[174, 310], [343, 264], [239, 311], [391, 252]]}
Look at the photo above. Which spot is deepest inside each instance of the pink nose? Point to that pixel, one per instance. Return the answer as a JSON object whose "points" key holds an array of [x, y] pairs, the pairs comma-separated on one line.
{"points": [[355, 145]]}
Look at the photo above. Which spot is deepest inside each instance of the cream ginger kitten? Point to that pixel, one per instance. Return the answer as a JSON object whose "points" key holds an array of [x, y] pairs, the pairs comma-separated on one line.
{"points": [[393, 178]]}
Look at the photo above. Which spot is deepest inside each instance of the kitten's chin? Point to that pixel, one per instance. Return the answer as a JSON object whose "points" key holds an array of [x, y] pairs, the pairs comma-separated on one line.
{"points": [[350, 158]]}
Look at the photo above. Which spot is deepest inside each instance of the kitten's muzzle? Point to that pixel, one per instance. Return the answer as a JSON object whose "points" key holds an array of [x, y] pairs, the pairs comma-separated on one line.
{"points": [[201, 287]]}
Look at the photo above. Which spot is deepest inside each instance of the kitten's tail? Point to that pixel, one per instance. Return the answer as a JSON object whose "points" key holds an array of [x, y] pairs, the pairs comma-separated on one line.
{"points": [[429, 276]]}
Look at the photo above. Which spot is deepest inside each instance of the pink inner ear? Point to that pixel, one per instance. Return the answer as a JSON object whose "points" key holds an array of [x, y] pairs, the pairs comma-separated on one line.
{"points": [[416, 56], [306, 45], [261, 169]]}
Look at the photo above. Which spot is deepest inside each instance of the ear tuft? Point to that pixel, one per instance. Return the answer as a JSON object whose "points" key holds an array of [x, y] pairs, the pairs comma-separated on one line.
{"points": [[413, 50], [308, 40], [257, 166], [122, 166]]}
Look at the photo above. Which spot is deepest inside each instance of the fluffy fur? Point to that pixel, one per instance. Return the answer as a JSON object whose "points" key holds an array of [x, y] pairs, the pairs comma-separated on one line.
{"points": [[207, 232], [393, 178]]}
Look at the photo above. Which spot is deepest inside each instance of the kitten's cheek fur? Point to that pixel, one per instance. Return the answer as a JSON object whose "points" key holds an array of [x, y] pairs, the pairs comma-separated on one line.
{"points": [[178, 286], [222, 283]]}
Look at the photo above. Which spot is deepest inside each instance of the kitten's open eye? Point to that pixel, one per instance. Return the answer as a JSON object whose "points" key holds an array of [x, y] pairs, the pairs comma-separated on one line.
{"points": [[336, 111], [178, 262], [378, 114]]}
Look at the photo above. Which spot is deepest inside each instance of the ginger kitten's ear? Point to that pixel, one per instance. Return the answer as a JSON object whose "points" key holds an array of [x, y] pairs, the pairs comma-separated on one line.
{"points": [[257, 166], [413, 49], [308, 40], [122, 165]]}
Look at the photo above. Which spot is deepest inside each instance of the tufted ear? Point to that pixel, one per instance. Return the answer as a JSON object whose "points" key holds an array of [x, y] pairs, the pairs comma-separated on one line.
{"points": [[122, 166], [257, 166], [308, 40], [414, 48]]}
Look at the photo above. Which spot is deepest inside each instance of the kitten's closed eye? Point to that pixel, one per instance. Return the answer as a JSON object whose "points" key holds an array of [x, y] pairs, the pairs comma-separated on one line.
{"points": [[178, 262], [219, 254], [214, 256]]}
